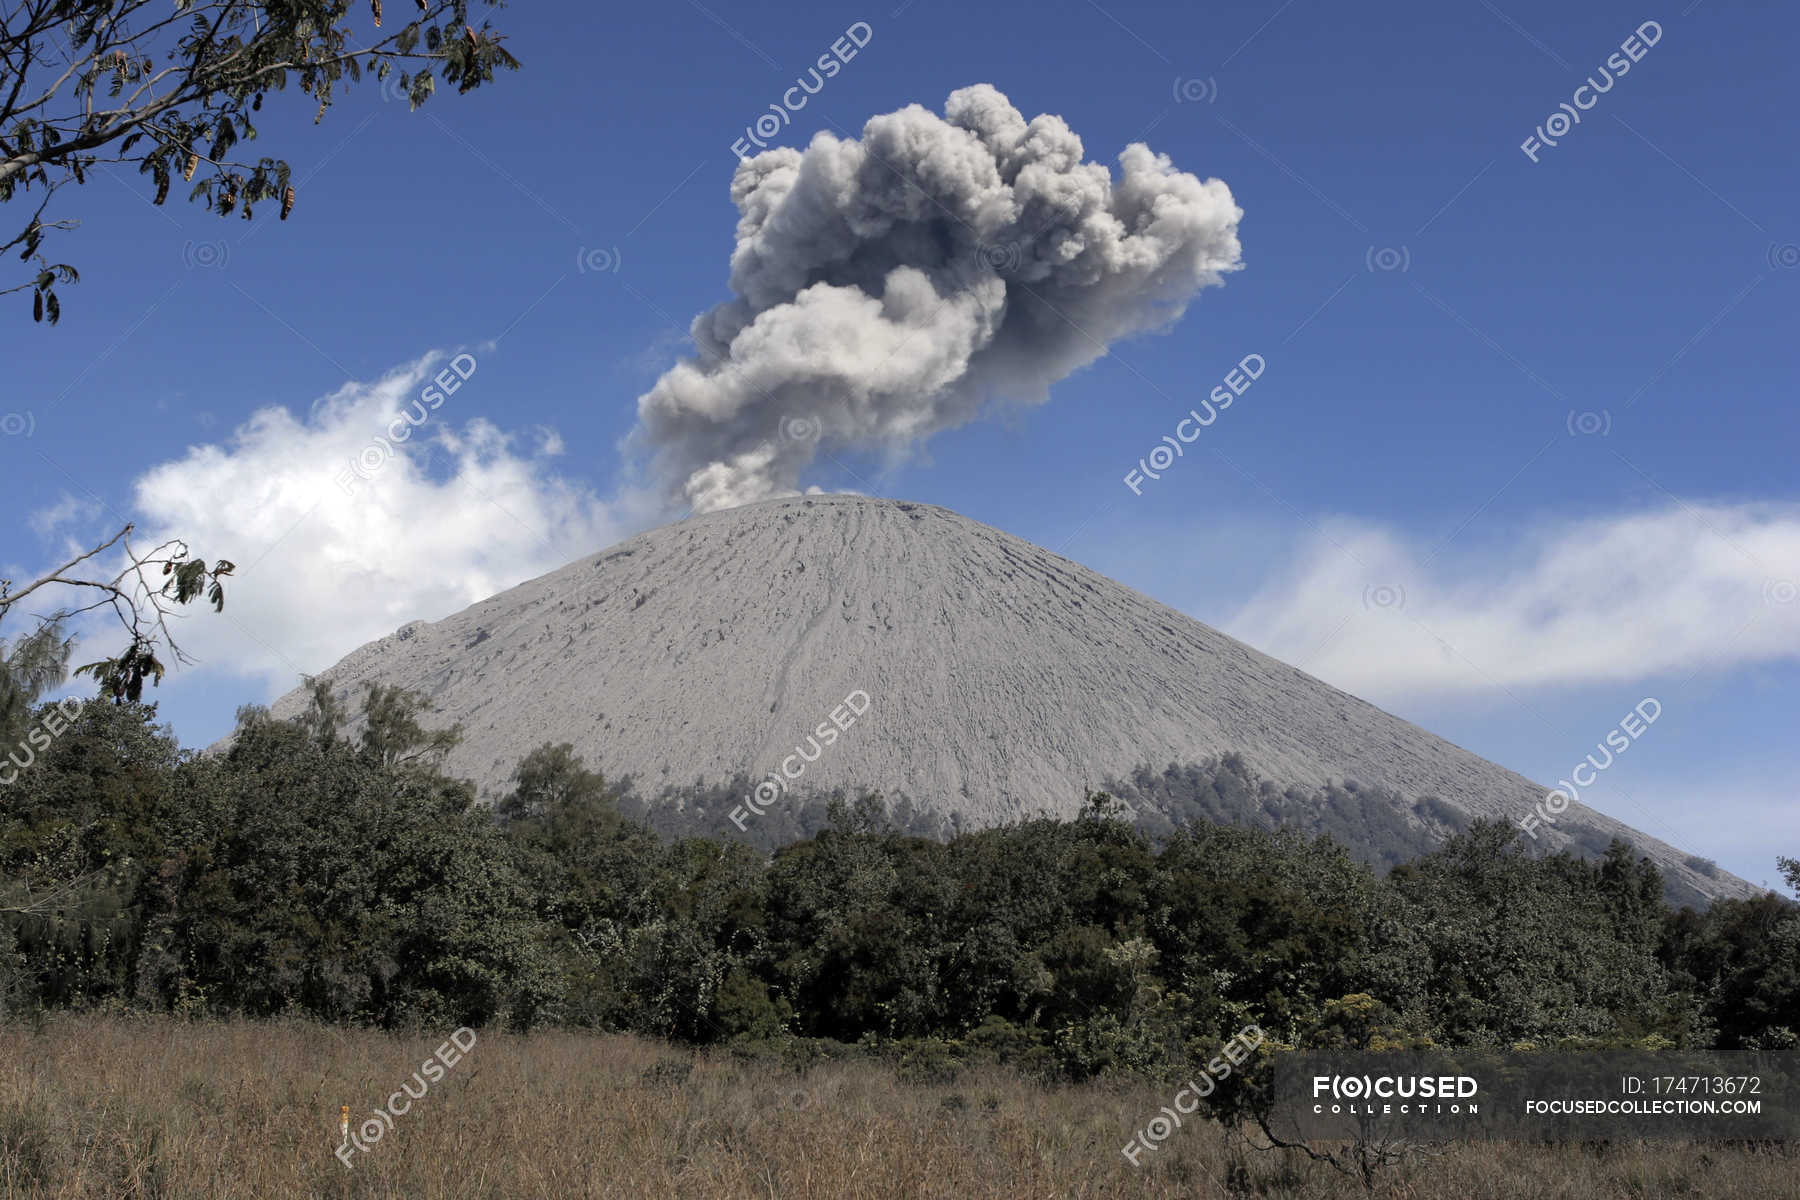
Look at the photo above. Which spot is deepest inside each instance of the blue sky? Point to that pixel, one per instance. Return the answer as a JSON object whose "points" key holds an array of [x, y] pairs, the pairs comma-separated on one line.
{"points": [[1522, 454]]}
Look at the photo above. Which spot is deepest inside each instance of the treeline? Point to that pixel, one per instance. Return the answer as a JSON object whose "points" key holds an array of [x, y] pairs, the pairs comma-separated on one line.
{"points": [[1376, 825], [1370, 822], [305, 873]]}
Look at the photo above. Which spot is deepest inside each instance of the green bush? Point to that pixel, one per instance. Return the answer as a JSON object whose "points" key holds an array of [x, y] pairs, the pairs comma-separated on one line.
{"points": [[302, 873]]}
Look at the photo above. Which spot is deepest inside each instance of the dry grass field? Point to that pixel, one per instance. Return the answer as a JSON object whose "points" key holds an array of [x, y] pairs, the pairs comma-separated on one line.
{"points": [[118, 1107]]}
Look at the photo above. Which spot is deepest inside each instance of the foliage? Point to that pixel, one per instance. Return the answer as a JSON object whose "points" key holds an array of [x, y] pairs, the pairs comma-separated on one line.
{"points": [[29, 667], [149, 588], [330, 879], [177, 90], [392, 734], [1225, 791], [327, 866]]}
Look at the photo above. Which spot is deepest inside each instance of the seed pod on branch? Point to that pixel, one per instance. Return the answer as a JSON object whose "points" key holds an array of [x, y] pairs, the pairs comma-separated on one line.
{"points": [[287, 202], [193, 164], [375, 10]]}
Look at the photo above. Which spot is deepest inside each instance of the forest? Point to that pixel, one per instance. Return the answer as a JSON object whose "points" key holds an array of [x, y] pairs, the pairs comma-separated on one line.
{"points": [[307, 872]]}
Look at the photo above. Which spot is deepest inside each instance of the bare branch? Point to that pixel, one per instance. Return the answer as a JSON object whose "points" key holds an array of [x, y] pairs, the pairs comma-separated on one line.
{"points": [[143, 607]]}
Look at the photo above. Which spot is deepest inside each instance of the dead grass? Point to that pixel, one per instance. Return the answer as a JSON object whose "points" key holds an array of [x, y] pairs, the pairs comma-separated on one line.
{"points": [[122, 1107]]}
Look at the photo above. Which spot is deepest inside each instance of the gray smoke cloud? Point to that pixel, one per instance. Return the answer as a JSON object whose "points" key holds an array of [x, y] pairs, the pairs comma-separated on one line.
{"points": [[894, 286]]}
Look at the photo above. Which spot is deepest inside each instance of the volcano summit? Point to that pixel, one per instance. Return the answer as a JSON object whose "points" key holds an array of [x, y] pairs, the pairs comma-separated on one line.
{"points": [[995, 679]]}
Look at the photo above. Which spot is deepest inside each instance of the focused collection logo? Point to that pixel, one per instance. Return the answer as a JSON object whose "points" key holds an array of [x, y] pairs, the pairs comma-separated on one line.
{"points": [[1374, 1095]]}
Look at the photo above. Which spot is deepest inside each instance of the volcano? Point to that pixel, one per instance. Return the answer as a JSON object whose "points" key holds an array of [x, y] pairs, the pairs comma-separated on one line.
{"points": [[971, 672]]}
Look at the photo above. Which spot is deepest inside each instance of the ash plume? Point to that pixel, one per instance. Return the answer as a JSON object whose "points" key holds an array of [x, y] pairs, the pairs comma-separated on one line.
{"points": [[889, 287]]}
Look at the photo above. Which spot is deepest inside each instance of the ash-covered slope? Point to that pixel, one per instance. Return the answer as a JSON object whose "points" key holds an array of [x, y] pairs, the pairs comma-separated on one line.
{"points": [[1001, 679]]}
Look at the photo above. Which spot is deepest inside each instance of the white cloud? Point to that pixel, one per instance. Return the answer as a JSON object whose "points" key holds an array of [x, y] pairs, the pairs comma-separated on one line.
{"points": [[340, 537], [68, 511], [1676, 589]]}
